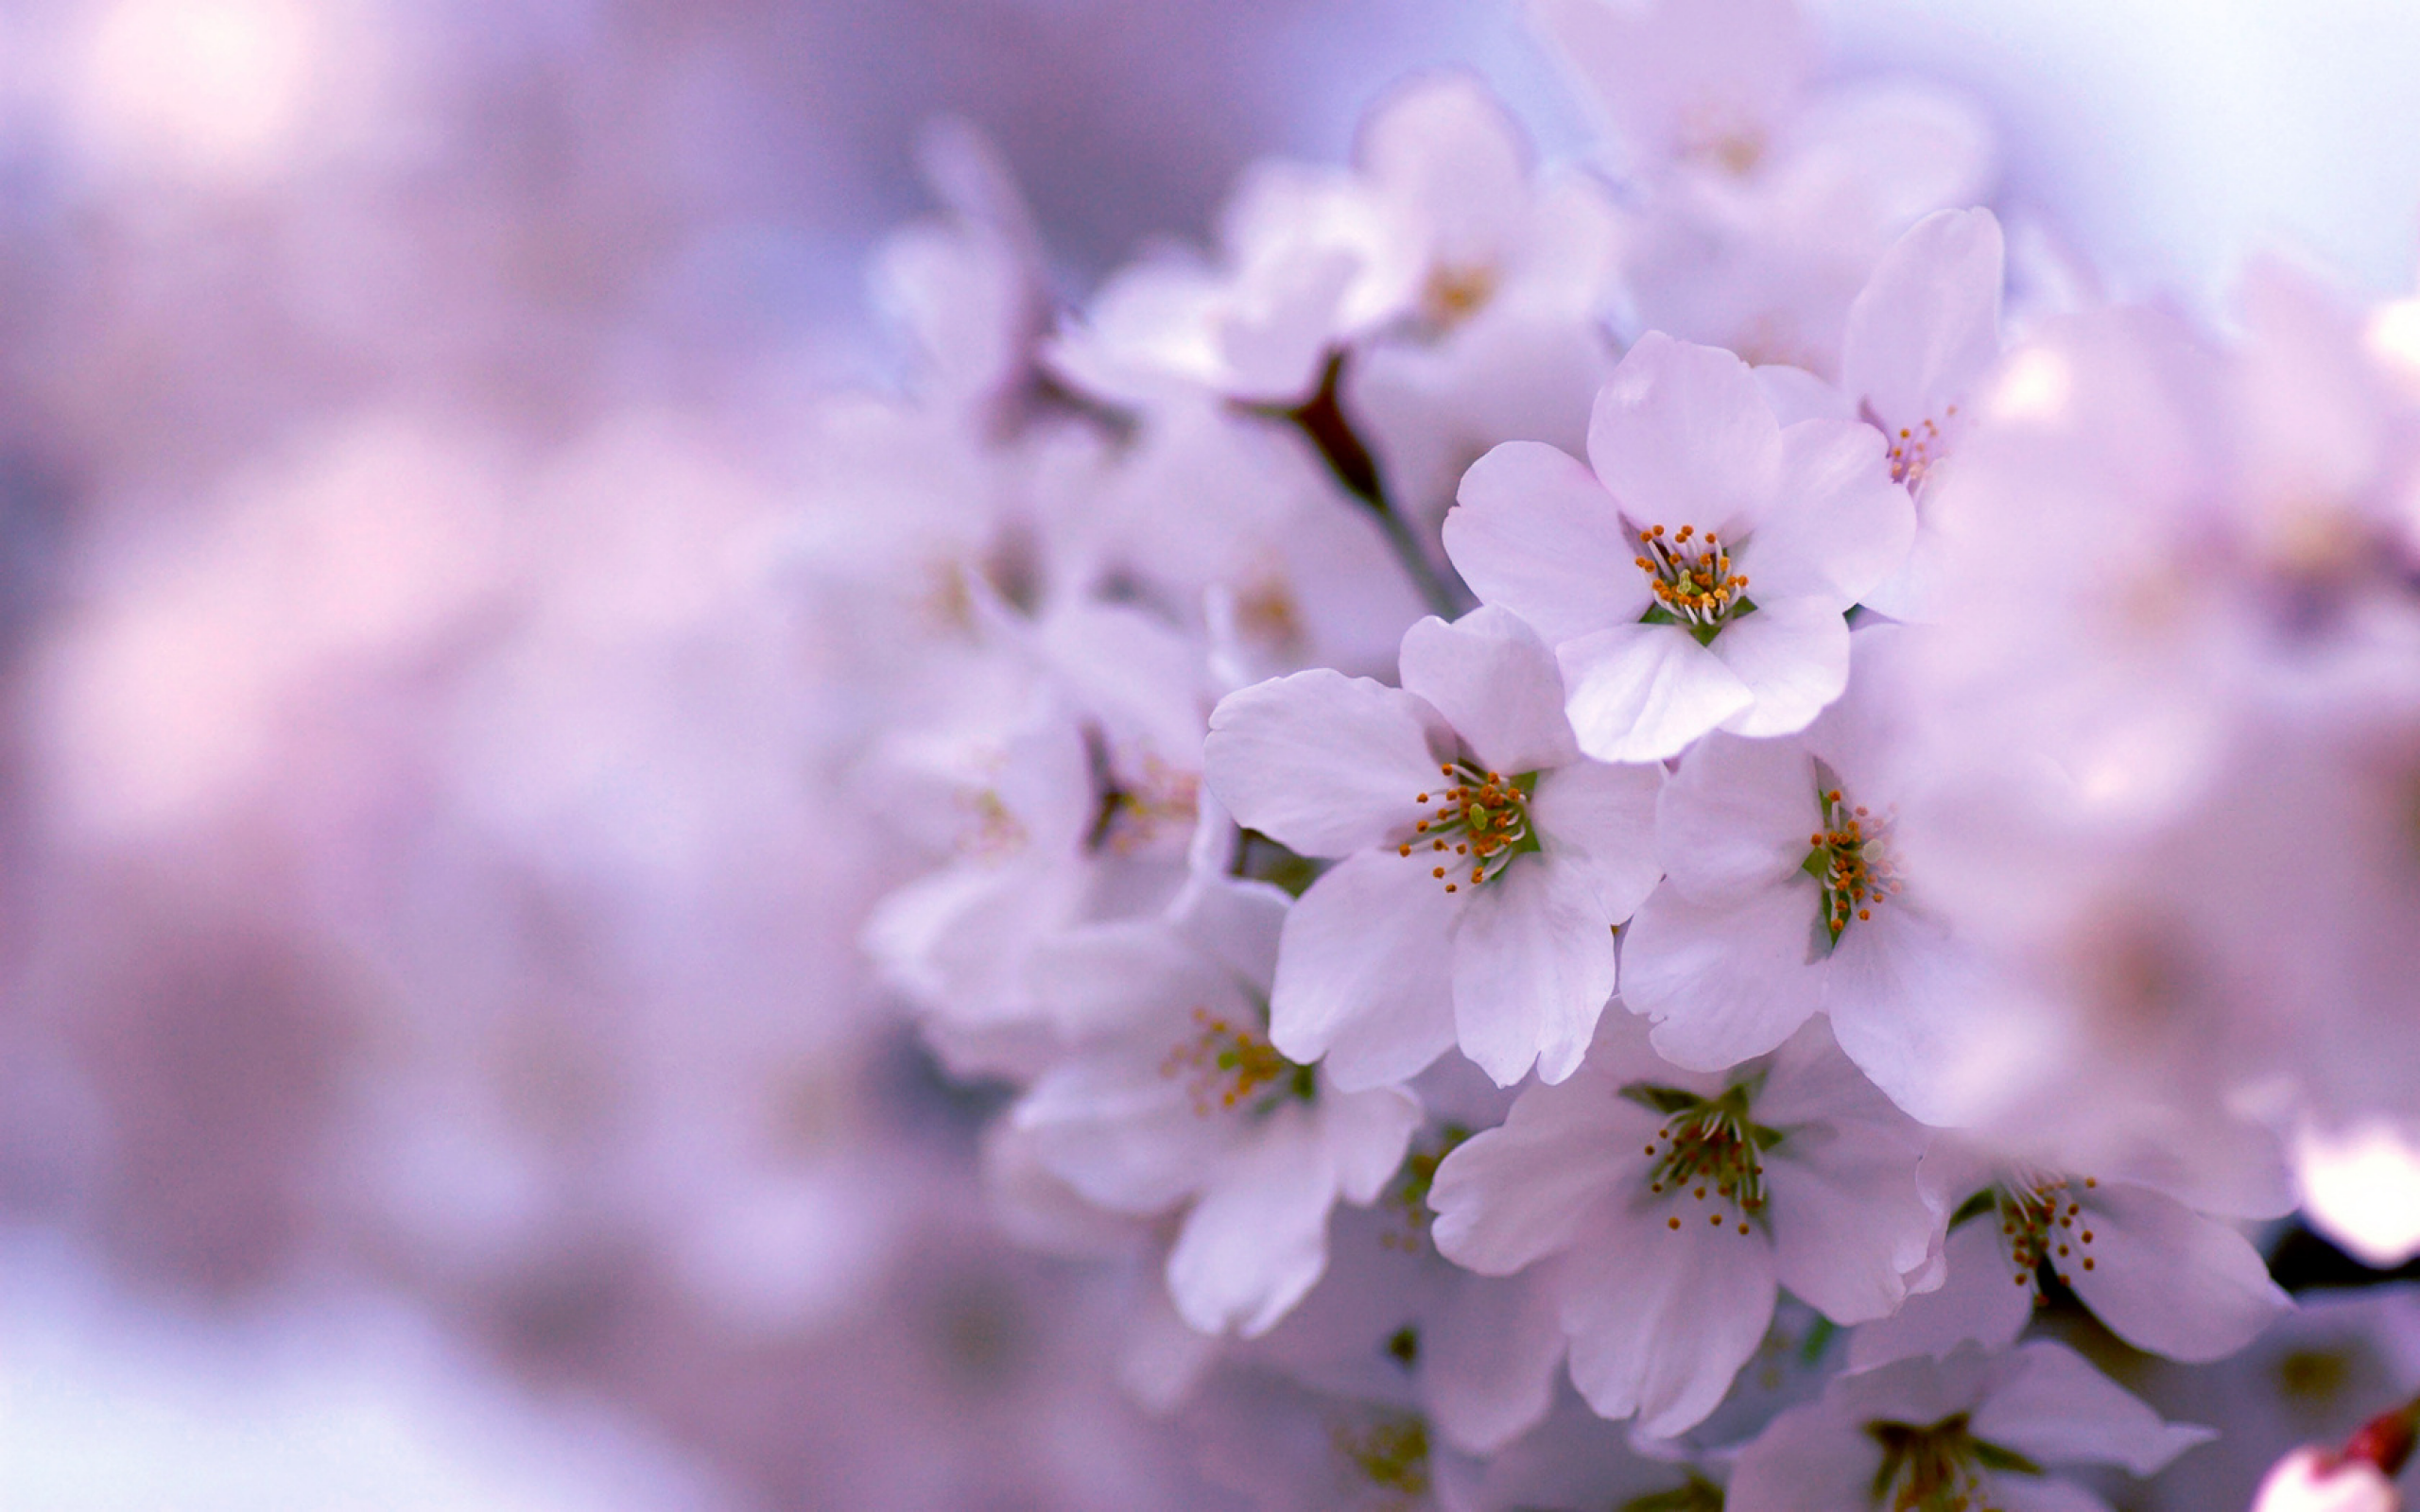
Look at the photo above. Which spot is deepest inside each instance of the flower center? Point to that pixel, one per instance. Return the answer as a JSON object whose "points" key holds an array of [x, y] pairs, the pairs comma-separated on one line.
{"points": [[1391, 1454], [1850, 861], [1412, 1188], [1913, 450], [1455, 292], [2040, 1223], [1709, 1148], [1692, 580], [1224, 1066], [1938, 1467], [1481, 822], [1129, 816]]}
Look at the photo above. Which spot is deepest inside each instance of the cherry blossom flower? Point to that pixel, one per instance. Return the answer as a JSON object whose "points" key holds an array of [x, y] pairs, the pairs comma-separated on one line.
{"points": [[2163, 1277], [1763, 200], [1483, 862], [1923, 337], [1975, 1430], [1173, 1097], [1669, 1206], [1698, 579], [1784, 895]]}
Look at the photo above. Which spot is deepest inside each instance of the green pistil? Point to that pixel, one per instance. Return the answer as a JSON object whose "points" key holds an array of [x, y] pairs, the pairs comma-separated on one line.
{"points": [[1847, 860], [1391, 1454], [1230, 1065], [1419, 1175], [1938, 1467], [1479, 823], [1708, 1147]]}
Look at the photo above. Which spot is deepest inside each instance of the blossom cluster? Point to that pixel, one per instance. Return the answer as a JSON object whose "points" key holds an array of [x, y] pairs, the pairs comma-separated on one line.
{"points": [[1674, 831]]}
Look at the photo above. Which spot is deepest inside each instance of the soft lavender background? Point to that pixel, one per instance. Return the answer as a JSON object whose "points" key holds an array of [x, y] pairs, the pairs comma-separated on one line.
{"points": [[430, 1071]]}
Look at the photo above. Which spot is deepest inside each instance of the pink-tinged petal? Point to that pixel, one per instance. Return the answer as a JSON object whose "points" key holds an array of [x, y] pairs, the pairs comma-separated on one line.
{"points": [[1444, 147], [1235, 922], [1663, 73], [1601, 820], [1723, 982], [955, 941], [1794, 659], [1512, 1195], [1319, 761], [1534, 532], [1382, 1049], [1365, 969], [1899, 995], [1258, 1240], [2042, 1493], [1533, 965], [1808, 1459], [1497, 683], [1661, 1320], [1840, 526], [1641, 693], [1794, 394], [1488, 1363], [2166, 1279], [1738, 817], [1682, 436], [1927, 325], [1850, 1217], [1366, 1134], [1126, 1137], [1984, 1299], [1848, 1222], [1098, 978], [2053, 1408]]}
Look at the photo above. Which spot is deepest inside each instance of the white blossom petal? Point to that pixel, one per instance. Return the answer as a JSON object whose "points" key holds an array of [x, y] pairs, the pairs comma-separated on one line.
{"points": [[1365, 971], [1601, 819], [1738, 816], [1497, 683], [1792, 658], [1662, 1319], [1511, 1194], [2054, 1408], [2167, 1280], [1488, 1363], [1319, 761], [1533, 965], [1682, 436], [1258, 1240], [1926, 326], [1534, 532], [1721, 982], [1641, 693]]}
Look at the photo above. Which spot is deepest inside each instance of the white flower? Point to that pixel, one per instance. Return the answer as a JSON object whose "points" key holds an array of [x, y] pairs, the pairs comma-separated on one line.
{"points": [[1504, 337], [1065, 784], [1923, 337], [1173, 1097], [2163, 1277], [1974, 1431], [1783, 894], [1671, 1205], [1484, 865], [1698, 579], [1761, 204]]}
